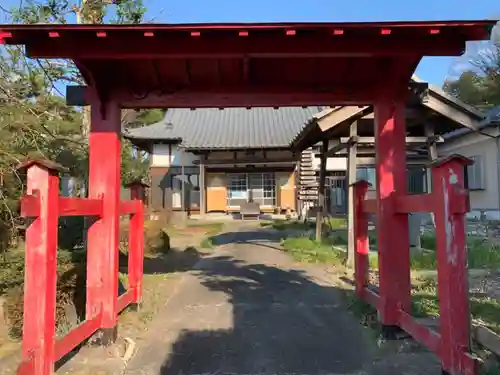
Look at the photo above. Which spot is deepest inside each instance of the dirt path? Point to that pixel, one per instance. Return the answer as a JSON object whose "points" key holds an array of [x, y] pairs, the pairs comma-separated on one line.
{"points": [[249, 309]]}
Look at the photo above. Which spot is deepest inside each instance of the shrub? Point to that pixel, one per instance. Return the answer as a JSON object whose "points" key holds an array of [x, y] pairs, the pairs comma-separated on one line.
{"points": [[428, 241], [71, 280], [156, 239], [71, 232]]}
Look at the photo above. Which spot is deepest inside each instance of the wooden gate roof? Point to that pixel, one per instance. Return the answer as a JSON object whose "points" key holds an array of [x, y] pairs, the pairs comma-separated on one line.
{"points": [[238, 65]]}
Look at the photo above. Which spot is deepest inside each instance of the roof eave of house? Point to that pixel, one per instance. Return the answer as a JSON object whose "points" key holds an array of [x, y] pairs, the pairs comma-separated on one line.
{"points": [[451, 100], [192, 148]]}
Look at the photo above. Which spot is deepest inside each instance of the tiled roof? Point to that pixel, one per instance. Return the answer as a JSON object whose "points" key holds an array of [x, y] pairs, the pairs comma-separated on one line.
{"points": [[228, 128]]}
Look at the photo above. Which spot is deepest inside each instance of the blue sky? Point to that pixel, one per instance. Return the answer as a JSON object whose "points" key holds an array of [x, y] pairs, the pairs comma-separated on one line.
{"points": [[432, 69]]}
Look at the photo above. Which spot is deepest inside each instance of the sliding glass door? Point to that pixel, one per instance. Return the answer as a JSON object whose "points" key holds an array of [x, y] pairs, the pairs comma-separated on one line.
{"points": [[237, 189], [256, 187]]}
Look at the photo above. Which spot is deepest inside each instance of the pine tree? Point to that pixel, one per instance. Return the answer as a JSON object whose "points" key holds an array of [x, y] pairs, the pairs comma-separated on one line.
{"points": [[34, 118]]}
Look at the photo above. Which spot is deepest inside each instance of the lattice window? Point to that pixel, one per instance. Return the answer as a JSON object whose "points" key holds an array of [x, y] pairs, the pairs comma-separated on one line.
{"points": [[475, 179]]}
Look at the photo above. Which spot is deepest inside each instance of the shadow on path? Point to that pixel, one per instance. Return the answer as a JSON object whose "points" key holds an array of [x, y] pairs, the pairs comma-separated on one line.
{"points": [[256, 236], [246, 309], [282, 323]]}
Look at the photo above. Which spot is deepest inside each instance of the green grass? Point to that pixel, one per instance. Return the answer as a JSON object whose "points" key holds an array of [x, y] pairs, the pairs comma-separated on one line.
{"points": [[280, 224], [211, 228], [207, 243], [426, 304], [328, 251], [285, 225], [304, 249], [480, 254], [336, 222]]}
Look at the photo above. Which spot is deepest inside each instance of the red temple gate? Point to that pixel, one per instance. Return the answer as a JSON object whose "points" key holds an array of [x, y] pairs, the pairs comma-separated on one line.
{"points": [[245, 65]]}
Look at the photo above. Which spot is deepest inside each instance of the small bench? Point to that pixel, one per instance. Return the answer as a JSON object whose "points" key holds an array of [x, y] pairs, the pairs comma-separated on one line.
{"points": [[251, 209]]}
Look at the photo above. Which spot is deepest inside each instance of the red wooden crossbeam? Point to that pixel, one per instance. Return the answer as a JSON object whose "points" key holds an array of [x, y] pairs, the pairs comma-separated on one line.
{"points": [[256, 46], [370, 206], [128, 207], [370, 296], [80, 207], [415, 203], [406, 204], [76, 336], [424, 335], [418, 331], [30, 206], [125, 299]]}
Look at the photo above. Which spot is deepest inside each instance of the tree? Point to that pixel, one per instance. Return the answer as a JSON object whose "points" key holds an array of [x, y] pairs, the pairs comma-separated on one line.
{"points": [[480, 85], [33, 123], [34, 118], [88, 11]]}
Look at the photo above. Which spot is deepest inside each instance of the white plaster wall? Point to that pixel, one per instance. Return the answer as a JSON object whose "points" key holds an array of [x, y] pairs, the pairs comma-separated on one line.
{"points": [[473, 145], [162, 157], [332, 164]]}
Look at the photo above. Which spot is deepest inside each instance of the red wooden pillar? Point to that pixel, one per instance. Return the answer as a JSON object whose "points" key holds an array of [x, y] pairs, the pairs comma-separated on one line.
{"points": [[40, 278], [103, 235], [392, 228], [136, 241], [452, 203], [360, 238]]}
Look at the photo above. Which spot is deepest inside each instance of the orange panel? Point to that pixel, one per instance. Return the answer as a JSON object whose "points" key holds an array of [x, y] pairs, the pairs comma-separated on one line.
{"points": [[287, 193], [287, 198], [216, 199]]}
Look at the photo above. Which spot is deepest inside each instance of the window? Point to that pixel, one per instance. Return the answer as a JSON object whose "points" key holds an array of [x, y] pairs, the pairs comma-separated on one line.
{"points": [[237, 189], [474, 176], [416, 178], [257, 187], [264, 188], [367, 174]]}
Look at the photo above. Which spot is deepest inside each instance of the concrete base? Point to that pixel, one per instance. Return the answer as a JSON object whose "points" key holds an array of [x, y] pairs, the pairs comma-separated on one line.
{"points": [[393, 333], [135, 307], [104, 337]]}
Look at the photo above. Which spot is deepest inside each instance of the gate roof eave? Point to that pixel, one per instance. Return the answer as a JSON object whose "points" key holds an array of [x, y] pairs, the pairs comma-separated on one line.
{"points": [[239, 65]]}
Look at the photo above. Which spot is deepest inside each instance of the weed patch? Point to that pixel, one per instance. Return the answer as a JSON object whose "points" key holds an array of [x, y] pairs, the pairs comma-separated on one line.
{"points": [[480, 254], [304, 249], [426, 304], [207, 243]]}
